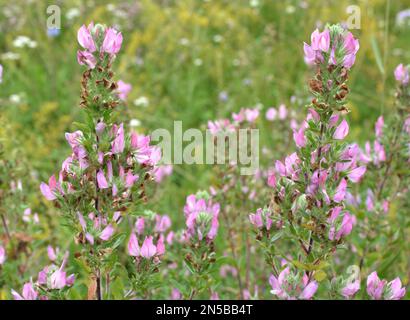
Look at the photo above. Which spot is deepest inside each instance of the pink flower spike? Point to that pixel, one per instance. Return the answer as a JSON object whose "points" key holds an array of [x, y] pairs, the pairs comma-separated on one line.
{"points": [[107, 232], [148, 250], [133, 246], [356, 174], [101, 180], [341, 131]]}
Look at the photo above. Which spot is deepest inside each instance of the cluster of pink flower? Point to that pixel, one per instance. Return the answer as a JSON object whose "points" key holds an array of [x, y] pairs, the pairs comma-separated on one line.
{"points": [[153, 224], [340, 51], [379, 289], [249, 115], [289, 285], [111, 44], [201, 217], [50, 280], [401, 74]]}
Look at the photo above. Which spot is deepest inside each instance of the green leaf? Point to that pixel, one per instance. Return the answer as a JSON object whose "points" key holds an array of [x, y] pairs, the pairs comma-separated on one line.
{"points": [[377, 54]]}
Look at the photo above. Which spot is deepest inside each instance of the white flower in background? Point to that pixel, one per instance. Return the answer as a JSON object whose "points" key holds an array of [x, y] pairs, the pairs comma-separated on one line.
{"points": [[184, 41], [15, 98], [135, 123], [198, 62], [236, 62], [10, 56], [290, 9], [141, 102], [111, 7], [72, 13], [254, 3], [23, 41], [403, 18], [218, 38]]}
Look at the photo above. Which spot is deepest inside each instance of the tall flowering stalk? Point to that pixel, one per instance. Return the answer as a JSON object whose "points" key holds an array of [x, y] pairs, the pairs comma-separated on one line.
{"points": [[307, 207], [202, 223], [386, 183], [105, 177]]}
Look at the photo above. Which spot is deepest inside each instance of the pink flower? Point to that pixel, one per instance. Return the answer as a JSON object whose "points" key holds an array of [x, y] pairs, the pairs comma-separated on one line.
{"points": [[341, 131], [283, 112], [162, 171], [118, 143], [58, 279], [324, 41], [133, 246], [148, 249], [356, 174], [310, 54], [2, 255], [375, 286], [340, 191], [1, 73], [85, 39], [48, 189], [162, 223], [52, 254], [123, 89], [160, 245], [112, 41], [299, 137], [99, 128], [347, 225], [28, 293], [309, 291], [107, 232], [101, 180], [272, 180], [86, 58], [379, 127], [401, 73], [350, 289], [251, 114], [130, 179], [271, 114], [176, 294], [140, 225], [394, 290], [256, 219], [351, 45]]}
